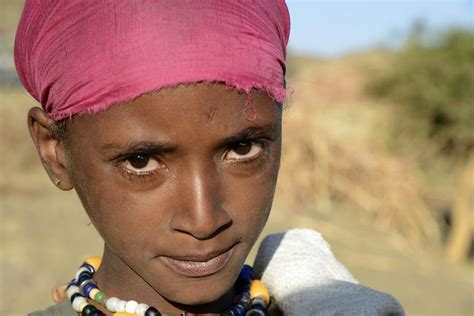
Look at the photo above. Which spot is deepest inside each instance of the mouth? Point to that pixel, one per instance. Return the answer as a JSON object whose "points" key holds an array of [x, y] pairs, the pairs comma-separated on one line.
{"points": [[200, 265]]}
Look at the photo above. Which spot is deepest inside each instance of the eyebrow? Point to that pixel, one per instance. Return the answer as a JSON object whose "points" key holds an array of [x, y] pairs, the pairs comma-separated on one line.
{"points": [[134, 147], [252, 132]]}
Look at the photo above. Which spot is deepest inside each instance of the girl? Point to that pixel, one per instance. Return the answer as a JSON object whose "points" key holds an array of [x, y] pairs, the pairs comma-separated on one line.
{"points": [[165, 118]]}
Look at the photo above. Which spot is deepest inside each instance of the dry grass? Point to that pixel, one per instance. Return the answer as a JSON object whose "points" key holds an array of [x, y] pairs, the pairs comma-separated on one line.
{"points": [[334, 157]]}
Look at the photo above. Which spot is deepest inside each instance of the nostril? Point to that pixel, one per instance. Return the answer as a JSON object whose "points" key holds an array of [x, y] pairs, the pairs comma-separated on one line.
{"points": [[203, 234], [201, 226]]}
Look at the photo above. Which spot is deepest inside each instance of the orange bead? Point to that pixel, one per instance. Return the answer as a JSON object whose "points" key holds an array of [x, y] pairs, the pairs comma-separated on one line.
{"points": [[94, 261], [258, 289], [123, 314]]}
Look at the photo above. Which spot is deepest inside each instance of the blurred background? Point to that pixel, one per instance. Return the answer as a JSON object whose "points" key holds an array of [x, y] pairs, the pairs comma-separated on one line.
{"points": [[378, 156]]}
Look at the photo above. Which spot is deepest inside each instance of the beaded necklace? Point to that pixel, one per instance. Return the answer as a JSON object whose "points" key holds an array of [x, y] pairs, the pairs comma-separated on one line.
{"points": [[252, 296]]}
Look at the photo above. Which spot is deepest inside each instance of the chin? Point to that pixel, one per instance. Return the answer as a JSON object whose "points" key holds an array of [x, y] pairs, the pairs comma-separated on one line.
{"points": [[203, 291], [202, 298]]}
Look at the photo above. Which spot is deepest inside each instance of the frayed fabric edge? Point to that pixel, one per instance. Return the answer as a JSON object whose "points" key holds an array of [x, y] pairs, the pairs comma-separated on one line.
{"points": [[277, 95]]}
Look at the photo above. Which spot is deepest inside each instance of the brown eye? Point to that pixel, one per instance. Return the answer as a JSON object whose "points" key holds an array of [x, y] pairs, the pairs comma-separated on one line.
{"points": [[244, 151], [139, 161], [141, 164], [243, 148]]}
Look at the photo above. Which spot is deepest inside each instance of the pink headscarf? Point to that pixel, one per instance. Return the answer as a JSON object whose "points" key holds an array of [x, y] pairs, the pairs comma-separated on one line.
{"points": [[77, 56]]}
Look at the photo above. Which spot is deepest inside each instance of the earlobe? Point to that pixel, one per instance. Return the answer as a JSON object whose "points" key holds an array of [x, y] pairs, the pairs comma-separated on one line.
{"points": [[50, 150]]}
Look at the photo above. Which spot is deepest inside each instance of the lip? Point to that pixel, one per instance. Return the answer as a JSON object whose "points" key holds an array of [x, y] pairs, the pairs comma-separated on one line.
{"points": [[199, 265]]}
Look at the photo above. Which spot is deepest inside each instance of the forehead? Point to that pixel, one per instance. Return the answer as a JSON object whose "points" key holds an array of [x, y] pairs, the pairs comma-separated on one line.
{"points": [[198, 110]]}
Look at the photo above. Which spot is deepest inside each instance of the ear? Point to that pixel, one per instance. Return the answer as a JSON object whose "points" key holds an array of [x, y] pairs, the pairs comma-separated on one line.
{"points": [[51, 151]]}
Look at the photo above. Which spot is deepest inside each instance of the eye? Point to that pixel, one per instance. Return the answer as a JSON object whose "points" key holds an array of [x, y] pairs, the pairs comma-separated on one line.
{"points": [[140, 164], [244, 151]]}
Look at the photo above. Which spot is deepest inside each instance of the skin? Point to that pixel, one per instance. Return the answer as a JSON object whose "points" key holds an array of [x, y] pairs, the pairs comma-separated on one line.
{"points": [[204, 183]]}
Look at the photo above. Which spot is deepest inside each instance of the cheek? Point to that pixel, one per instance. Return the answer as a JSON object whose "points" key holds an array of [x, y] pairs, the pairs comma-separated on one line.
{"points": [[250, 199], [122, 217], [132, 225]]}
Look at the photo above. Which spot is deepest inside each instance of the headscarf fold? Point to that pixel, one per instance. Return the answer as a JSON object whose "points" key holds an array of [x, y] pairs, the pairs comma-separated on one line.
{"points": [[79, 56]]}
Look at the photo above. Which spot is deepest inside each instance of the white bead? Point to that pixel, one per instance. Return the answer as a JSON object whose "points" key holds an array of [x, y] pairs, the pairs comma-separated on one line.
{"points": [[80, 271], [77, 302], [93, 292], [131, 307], [111, 304], [72, 290], [82, 305], [141, 309], [121, 306]]}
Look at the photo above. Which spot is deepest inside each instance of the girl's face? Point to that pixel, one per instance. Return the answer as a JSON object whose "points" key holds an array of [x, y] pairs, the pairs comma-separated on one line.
{"points": [[179, 184]]}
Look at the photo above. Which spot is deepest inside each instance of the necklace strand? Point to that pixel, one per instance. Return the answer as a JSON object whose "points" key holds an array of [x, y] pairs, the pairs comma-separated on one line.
{"points": [[252, 296]]}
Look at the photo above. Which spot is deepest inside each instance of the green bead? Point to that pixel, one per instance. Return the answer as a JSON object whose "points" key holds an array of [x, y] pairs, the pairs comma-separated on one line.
{"points": [[99, 297]]}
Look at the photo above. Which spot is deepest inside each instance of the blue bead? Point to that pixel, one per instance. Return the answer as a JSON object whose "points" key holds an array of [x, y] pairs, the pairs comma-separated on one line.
{"points": [[255, 312], [87, 288], [88, 309], [246, 272], [87, 273], [243, 288], [89, 267], [84, 284], [83, 277], [151, 311], [91, 310], [238, 310], [229, 313], [245, 299], [259, 306], [259, 303]]}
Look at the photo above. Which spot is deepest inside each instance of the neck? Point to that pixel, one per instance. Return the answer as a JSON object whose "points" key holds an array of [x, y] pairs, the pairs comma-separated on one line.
{"points": [[116, 278]]}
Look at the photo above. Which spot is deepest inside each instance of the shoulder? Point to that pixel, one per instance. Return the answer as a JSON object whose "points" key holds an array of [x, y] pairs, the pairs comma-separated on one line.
{"points": [[63, 308], [336, 297], [305, 278]]}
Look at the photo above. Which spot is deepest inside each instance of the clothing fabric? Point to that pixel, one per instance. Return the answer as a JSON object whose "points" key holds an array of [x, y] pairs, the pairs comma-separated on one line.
{"points": [[304, 278], [83, 56], [63, 308]]}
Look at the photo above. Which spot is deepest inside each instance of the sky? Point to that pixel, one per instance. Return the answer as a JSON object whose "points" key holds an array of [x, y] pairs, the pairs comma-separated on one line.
{"points": [[330, 28]]}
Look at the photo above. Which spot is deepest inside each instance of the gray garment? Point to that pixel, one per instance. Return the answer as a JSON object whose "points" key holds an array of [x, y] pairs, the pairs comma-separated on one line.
{"points": [[63, 308], [304, 278]]}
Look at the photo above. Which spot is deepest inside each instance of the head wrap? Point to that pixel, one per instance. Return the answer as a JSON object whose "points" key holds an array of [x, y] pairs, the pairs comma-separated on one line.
{"points": [[80, 56]]}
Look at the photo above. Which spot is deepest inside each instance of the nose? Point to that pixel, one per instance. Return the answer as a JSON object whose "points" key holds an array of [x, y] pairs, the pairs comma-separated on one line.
{"points": [[201, 213]]}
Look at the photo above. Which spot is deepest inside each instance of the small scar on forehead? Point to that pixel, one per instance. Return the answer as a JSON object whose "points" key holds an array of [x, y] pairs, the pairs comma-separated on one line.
{"points": [[211, 113]]}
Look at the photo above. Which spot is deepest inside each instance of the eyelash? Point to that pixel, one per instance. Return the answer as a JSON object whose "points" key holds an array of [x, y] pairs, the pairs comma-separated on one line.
{"points": [[130, 175], [149, 175], [263, 143]]}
